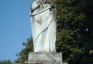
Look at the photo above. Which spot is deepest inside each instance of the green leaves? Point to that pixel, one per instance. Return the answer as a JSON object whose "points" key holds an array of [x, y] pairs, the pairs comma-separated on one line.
{"points": [[6, 62], [72, 38], [23, 55]]}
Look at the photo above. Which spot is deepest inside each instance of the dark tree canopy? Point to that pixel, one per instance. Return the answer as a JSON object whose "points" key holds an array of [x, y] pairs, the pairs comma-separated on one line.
{"points": [[75, 30], [6, 62]]}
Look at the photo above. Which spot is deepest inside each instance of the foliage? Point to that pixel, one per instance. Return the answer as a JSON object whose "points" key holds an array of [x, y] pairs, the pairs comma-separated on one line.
{"points": [[6, 62], [74, 36], [23, 55]]}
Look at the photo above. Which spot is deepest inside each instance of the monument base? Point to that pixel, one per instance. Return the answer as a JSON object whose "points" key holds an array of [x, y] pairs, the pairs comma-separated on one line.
{"points": [[45, 58]]}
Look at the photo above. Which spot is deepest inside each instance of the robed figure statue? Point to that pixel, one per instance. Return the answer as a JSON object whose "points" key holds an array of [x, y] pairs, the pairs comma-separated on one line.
{"points": [[43, 26]]}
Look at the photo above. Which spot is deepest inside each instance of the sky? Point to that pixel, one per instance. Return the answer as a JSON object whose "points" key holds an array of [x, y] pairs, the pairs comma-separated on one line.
{"points": [[15, 27]]}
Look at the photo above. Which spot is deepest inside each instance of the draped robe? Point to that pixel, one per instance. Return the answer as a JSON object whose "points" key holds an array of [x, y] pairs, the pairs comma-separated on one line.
{"points": [[43, 28]]}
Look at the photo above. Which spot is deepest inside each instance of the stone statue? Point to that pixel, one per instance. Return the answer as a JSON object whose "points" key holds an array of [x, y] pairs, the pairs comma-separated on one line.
{"points": [[44, 34], [43, 26]]}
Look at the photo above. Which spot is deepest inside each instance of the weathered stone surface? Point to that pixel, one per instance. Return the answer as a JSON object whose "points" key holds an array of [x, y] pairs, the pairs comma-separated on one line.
{"points": [[44, 58], [41, 56], [44, 62]]}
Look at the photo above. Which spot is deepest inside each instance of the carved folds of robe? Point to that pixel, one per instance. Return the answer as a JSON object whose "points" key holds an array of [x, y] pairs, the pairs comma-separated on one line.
{"points": [[43, 28]]}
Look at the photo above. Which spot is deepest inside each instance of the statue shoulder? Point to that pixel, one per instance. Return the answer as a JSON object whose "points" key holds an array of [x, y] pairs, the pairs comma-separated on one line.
{"points": [[34, 6]]}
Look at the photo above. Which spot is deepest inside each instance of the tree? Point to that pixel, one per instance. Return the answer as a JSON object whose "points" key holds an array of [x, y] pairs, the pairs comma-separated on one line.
{"points": [[23, 55], [74, 36], [6, 62]]}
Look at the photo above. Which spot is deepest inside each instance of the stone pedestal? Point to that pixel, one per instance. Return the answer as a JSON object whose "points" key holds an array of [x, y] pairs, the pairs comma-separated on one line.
{"points": [[44, 58]]}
